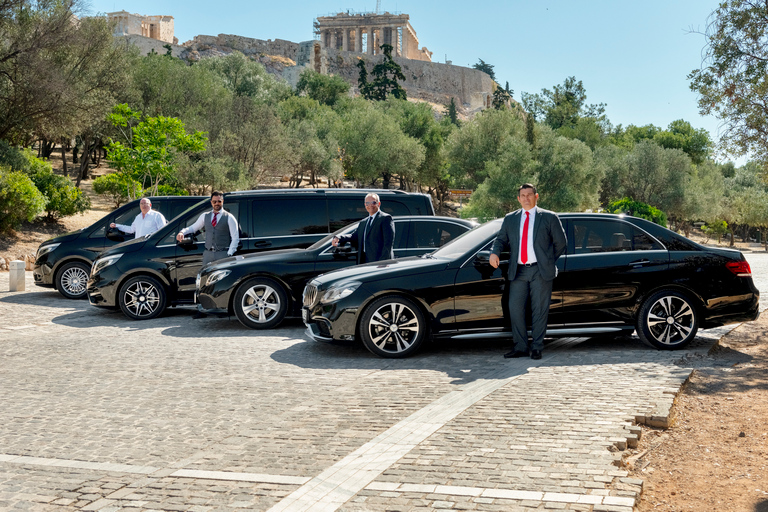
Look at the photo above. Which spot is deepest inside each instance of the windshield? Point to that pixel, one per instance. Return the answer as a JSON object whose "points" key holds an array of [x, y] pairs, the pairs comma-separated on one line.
{"points": [[469, 240], [325, 240]]}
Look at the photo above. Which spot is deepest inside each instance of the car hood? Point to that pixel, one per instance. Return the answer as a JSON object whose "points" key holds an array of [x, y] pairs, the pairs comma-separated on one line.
{"points": [[129, 246], [369, 272], [66, 237], [259, 259]]}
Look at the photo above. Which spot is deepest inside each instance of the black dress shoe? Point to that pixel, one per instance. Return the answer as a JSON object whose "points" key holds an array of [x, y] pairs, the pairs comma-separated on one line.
{"points": [[515, 354], [536, 354]]}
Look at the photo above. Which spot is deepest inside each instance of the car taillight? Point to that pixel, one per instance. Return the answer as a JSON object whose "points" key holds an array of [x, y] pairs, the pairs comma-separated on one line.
{"points": [[740, 268]]}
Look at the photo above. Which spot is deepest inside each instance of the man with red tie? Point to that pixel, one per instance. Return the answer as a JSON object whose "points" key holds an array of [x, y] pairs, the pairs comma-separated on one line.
{"points": [[221, 232], [535, 239]]}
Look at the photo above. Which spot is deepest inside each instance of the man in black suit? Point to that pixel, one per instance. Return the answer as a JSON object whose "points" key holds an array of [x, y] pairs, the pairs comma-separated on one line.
{"points": [[374, 237], [535, 239]]}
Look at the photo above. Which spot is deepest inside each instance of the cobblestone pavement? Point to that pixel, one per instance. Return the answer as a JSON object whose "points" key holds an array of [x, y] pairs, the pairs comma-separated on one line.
{"points": [[102, 413]]}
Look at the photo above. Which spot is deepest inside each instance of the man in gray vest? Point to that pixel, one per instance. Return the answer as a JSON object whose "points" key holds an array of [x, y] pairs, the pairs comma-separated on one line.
{"points": [[221, 234]]}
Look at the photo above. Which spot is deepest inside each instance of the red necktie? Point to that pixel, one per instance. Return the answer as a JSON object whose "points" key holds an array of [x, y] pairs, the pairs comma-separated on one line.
{"points": [[524, 243], [213, 222]]}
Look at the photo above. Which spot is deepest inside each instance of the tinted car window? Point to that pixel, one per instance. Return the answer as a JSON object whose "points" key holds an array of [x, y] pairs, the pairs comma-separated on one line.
{"points": [[299, 216], [432, 234], [345, 211], [593, 236], [393, 207]]}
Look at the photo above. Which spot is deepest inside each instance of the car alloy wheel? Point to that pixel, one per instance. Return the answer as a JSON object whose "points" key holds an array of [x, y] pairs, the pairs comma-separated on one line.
{"points": [[72, 280], [393, 326], [142, 298], [260, 303], [668, 320]]}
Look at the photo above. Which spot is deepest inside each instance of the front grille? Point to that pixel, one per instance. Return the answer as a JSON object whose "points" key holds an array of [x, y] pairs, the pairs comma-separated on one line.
{"points": [[310, 295]]}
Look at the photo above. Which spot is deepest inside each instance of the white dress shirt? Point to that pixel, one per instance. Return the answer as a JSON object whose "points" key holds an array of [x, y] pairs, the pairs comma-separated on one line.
{"points": [[144, 224], [531, 220]]}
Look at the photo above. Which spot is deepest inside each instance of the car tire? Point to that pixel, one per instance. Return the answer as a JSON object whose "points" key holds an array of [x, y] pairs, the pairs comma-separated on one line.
{"points": [[142, 298], [260, 303], [393, 326], [667, 320], [72, 280]]}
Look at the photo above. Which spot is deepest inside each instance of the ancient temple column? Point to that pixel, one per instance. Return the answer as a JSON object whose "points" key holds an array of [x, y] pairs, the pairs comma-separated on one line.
{"points": [[334, 40], [370, 41], [394, 42], [345, 39], [359, 40]]}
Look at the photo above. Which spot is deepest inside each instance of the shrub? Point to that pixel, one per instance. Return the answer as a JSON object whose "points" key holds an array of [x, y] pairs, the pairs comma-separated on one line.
{"points": [[638, 209], [170, 190], [715, 229], [20, 200], [13, 157], [63, 197], [117, 187]]}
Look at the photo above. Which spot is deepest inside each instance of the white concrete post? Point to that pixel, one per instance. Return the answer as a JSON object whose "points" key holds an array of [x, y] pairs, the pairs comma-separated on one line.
{"points": [[17, 277]]}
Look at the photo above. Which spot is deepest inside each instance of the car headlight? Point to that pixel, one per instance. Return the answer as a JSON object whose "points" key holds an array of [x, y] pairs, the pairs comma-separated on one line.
{"points": [[338, 292], [217, 276], [102, 263], [45, 249]]}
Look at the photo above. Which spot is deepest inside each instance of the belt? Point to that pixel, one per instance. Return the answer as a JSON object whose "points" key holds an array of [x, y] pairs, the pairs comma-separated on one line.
{"points": [[529, 264]]}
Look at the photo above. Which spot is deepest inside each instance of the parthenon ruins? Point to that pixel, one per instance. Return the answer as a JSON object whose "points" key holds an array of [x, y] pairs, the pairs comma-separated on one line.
{"points": [[366, 32], [155, 27]]}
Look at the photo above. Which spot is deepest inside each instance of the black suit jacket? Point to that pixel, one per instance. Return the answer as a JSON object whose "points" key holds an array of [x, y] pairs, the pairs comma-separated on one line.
{"points": [[380, 242], [549, 241]]}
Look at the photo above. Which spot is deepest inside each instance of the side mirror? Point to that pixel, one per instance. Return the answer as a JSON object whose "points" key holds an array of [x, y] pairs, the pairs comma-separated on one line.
{"points": [[188, 240], [115, 235], [482, 259]]}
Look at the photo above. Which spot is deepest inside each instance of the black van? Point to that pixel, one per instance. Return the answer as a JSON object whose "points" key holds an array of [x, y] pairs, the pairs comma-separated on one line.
{"points": [[158, 271], [64, 262]]}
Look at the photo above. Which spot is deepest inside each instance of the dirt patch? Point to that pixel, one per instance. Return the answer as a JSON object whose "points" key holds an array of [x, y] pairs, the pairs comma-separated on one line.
{"points": [[715, 456]]}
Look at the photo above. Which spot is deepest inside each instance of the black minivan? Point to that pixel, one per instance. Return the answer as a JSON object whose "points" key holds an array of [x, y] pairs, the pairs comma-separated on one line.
{"points": [[63, 262], [145, 276]]}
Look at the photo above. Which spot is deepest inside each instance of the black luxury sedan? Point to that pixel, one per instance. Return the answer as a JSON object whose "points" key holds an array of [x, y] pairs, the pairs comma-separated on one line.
{"points": [[619, 274], [263, 288]]}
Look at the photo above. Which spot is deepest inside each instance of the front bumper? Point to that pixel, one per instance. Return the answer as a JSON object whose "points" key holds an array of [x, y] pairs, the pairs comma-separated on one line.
{"points": [[43, 273], [328, 322], [102, 288]]}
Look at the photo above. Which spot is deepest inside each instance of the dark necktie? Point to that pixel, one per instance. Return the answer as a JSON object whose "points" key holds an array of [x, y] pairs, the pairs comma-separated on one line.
{"points": [[365, 231], [524, 243], [213, 222]]}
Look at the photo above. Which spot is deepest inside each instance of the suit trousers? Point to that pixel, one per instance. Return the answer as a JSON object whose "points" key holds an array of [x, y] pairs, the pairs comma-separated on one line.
{"points": [[529, 284]]}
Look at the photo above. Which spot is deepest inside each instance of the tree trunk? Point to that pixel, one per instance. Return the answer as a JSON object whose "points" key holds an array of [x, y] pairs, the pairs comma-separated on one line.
{"points": [[83, 172], [64, 157]]}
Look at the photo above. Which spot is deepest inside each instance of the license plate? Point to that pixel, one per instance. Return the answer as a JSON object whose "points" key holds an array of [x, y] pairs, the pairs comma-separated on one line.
{"points": [[305, 315]]}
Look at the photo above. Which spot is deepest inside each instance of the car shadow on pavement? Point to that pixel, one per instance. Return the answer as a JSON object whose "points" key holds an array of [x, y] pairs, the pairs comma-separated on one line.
{"points": [[48, 298]]}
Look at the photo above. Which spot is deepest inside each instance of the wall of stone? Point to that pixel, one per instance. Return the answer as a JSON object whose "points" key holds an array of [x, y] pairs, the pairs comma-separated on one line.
{"points": [[245, 45], [429, 81], [147, 44]]}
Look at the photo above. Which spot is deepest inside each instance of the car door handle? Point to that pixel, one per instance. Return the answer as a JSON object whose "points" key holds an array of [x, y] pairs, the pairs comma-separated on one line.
{"points": [[263, 244], [639, 263]]}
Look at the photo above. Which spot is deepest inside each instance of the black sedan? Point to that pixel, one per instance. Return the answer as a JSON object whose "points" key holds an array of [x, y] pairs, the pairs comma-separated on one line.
{"points": [[619, 274], [263, 288]]}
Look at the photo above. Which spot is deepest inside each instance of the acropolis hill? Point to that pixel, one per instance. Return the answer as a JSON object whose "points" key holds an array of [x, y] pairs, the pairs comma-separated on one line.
{"points": [[340, 41]]}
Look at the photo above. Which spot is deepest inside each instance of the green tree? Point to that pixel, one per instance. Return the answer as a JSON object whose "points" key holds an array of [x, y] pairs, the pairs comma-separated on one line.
{"points": [[485, 68], [117, 187], [387, 75], [451, 112], [155, 143], [58, 75], [326, 89], [637, 209], [732, 81], [244, 76], [563, 105], [62, 197], [373, 146], [19, 199], [500, 98]]}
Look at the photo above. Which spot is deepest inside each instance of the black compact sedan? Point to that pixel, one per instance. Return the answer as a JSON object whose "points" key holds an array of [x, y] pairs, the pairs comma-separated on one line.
{"points": [[619, 274], [263, 288]]}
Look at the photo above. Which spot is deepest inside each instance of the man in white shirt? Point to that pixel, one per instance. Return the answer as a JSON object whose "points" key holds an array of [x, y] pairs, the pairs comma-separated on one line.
{"points": [[146, 222]]}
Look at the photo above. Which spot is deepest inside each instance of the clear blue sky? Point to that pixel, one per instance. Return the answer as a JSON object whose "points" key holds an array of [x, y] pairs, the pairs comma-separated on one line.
{"points": [[633, 56]]}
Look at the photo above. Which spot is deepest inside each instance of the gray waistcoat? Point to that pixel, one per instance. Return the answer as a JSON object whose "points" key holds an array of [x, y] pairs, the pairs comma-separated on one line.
{"points": [[218, 237]]}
